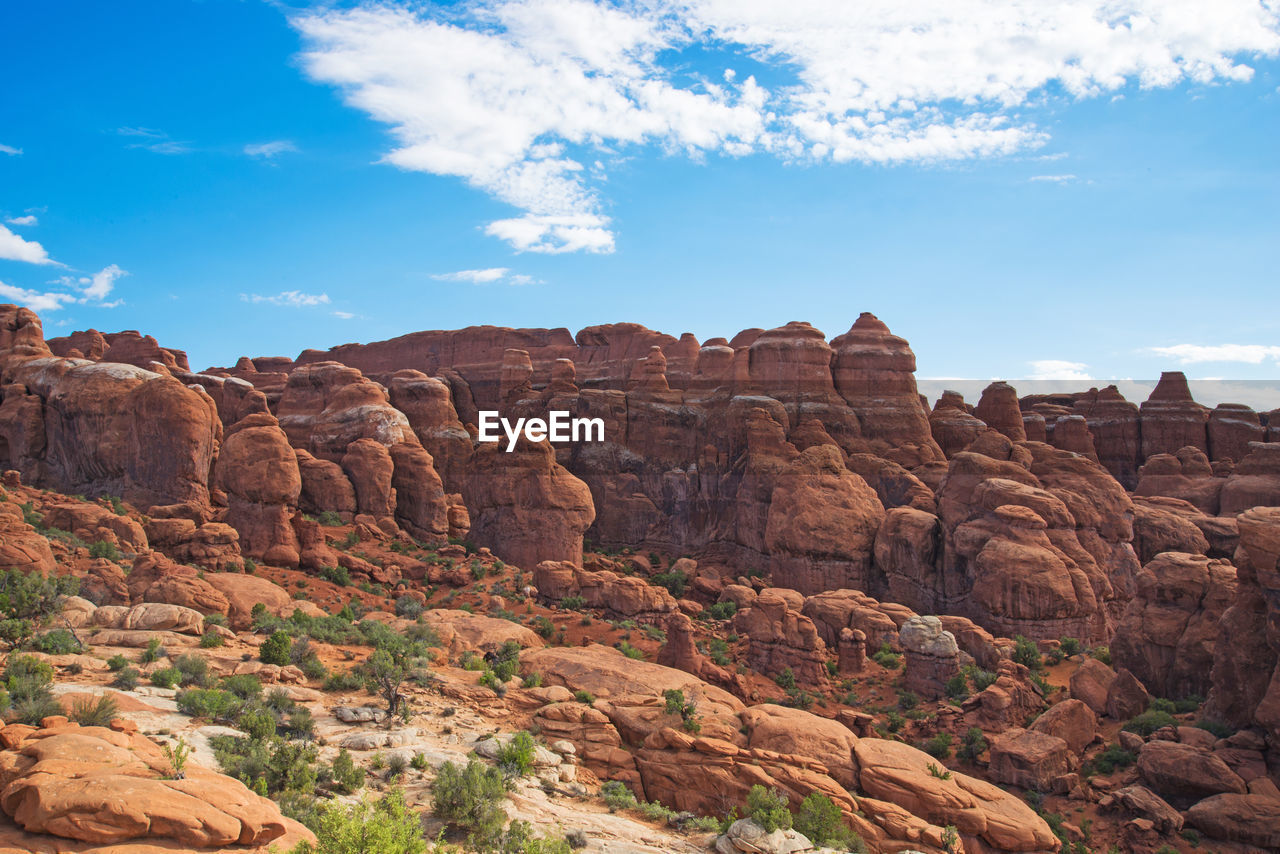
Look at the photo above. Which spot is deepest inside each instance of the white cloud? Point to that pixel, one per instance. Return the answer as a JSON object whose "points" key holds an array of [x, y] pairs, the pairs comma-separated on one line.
{"points": [[1053, 179], [1057, 369], [269, 149], [293, 299], [101, 283], [1190, 354], [486, 276], [156, 141], [9, 149], [29, 219], [35, 300], [517, 96], [343, 315], [15, 248]]}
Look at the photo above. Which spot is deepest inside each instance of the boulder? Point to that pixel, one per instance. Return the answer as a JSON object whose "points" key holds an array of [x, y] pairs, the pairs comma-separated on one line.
{"points": [[1091, 683], [1032, 760], [1183, 774], [1127, 697], [932, 656], [1070, 720], [1248, 819]]}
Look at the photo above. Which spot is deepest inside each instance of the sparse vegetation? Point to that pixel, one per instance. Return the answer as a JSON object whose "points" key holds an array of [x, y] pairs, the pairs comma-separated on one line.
{"points": [[94, 712], [1026, 653], [768, 808]]}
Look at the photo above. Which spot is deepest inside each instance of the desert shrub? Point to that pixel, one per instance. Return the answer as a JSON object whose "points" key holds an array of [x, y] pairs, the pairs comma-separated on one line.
{"points": [[211, 640], [329, 518], [908, 700], [470, 799], [723, 610], [1218, 728], [275, 649], [126, 679], [409, 608], [1148, 722], [820, 820], [516, 756], [506, 660], [58, 642], [94, 712], [345, 776], [270, 765], [674, 580], [1069, 646], [346, 680], [584, 697], [1102, 653], [786, 680], [246, 686], [337, 575], [630, 651], [617, 796], [886, 657], [938, 771], [104, 549], [768, 808], [957, 687], [939, 747], [210, 703], [154, 651], [718, 649], [1026, 653], [1110, 759], [117, 662], [973, 746], [166, 677]]}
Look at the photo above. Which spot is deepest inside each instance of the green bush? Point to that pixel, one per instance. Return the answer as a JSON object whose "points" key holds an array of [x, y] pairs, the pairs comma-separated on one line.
{"points": [[786, 680], [982, 679], [336, 574], [211, 640], [329, 518], [347, 680], [584, 697], [957, 687], [1110, 759], [1148, 722], [617, 796], [939, 747], [154, 651], [210, 703], [104, 549], [346, 777], [516, 756], [1218, 728], [1069, 646], [1102, 653], [1026, 653], [768, 808], [275, 649], [886, 657], [822, 822], [908, 700], [91, 712], [58, 642], [194, 669], [674, 580], [973, 746], [723, 610], [246, 686], [117, 662], [269, 766], [166, 677], [409, 608], [470, 799], [126, 679]]}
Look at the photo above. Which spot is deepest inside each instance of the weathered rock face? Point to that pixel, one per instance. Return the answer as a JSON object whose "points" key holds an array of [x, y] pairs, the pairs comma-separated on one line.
{"points": [[259, 473], [874, 371], [1183, 774], [1232, 428], [619, 594], [525, 506], [932, 656], [1255, 480], [1187, 475], [780, 638], [1171, 419], [325, 487], [100, 428], [21, 546], [1164, 525], [1032, 760], [1170, 627], [952, 424], [428, 405], [92, 784], [998, 409], [1091, 682], [1115, 429], [1246, 673], [822, 524]]}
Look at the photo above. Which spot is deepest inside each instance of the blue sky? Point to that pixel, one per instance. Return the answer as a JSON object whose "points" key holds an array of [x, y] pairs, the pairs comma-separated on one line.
{"points": [[1062, 194]]}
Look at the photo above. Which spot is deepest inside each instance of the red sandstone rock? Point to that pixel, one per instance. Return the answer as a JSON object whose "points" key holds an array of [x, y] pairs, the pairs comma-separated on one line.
{"points": [[1186, 475], [1167, 636], [1171, 419], [822, 524], [1091, 682], [1070, 720], [780, 637], [259, 472], [1182, 774], [998, 409], [952, 425], [1255, 481], [1032, 760]]}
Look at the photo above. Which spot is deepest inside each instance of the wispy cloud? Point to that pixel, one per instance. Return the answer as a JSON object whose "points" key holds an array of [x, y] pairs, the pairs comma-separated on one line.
{"points": [[1053, 179], [1058, 369], [9, 149], [486, 276], [519, 97], [343, 315], [15, 248], [156, 141], [1191, 354], [28, 219], [269, 150], [292, 299], [91, 290]]}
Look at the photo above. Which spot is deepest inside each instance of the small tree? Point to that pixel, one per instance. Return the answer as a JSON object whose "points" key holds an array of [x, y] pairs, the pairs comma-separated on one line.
{"points": [[768, 808], [384, 675], [386, 826], [820, 820], [275, 649], [470, 799]]}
